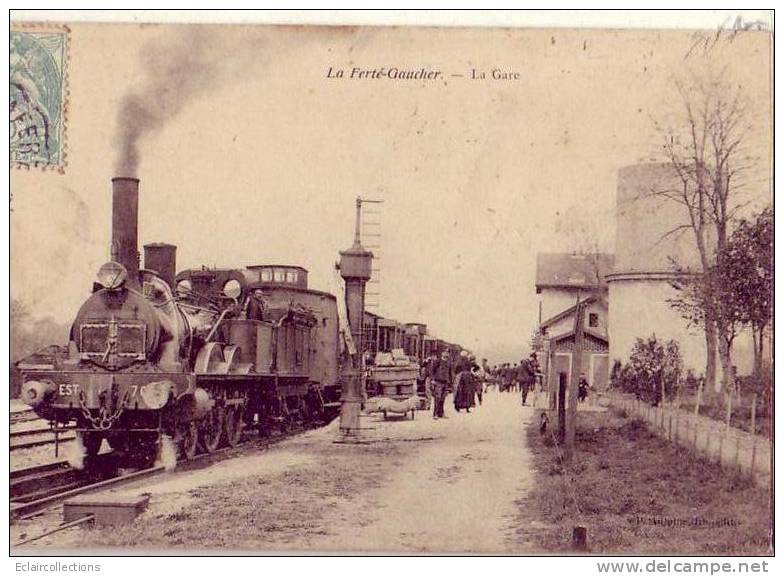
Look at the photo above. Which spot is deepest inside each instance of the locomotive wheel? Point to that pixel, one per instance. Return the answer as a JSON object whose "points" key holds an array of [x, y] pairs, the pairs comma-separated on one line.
{"points": [[188, 439], [304, 410], [91, 441], [284, 417], [233, 425], [142, 448], [210, 430]]}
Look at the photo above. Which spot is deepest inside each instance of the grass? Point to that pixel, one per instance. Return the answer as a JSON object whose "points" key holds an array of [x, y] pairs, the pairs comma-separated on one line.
{"points": [[272, 512], [716, 409], [638, 494]]}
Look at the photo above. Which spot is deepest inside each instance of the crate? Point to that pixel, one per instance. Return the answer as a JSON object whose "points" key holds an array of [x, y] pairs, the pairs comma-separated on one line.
{"points": [[107, 509], [391, 374], [405, 388]]}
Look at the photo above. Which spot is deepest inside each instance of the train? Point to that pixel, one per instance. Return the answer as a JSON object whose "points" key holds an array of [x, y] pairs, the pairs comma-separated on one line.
{"points": [[395, 341], [199, 355]]}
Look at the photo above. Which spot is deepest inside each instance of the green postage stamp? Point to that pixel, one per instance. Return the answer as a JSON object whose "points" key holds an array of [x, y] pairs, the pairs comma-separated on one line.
{"points": [[38, 96]]}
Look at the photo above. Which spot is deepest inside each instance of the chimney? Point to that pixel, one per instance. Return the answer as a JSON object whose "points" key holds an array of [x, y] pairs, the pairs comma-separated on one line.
{"points": [[125, 223], [161, 258]]}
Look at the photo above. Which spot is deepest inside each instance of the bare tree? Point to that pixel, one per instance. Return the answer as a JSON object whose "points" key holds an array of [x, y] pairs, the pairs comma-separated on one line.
{"points": [[705, 142]]}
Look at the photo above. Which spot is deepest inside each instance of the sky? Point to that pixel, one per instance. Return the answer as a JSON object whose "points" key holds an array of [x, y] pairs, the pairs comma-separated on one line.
{"points": [[249, 153]]}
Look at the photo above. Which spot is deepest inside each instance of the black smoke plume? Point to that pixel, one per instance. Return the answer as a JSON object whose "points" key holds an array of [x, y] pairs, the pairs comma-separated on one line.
{"points": [[178, 69]]}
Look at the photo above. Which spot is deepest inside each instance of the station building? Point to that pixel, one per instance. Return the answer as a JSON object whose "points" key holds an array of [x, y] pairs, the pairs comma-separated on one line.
{"points": [[562, 279]]}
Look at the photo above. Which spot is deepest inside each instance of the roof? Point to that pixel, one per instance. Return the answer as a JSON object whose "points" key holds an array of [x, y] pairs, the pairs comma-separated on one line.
{"points": [[587, 331], [571, 270], [265, 266], [570, 311]]}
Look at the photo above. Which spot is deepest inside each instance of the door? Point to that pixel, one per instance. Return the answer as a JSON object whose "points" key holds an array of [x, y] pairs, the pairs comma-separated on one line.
{"points": [[600, 371]]}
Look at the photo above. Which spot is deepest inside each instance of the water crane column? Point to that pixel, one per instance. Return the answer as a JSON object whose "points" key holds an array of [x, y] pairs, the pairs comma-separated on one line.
{"points": [[355, 269]]}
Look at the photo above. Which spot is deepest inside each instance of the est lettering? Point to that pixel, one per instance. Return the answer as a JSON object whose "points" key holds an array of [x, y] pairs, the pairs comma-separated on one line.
{"points": [[68, 389]]}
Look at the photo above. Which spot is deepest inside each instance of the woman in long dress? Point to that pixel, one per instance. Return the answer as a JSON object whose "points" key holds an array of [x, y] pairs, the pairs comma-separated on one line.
{"points": [[464, 391]]}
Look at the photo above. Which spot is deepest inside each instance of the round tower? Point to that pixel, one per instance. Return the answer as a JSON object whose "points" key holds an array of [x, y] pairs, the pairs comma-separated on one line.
{"points": [[653, 239]]}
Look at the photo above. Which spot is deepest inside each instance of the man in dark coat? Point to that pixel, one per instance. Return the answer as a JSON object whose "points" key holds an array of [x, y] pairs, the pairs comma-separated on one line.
{"points": [[525, 376], [440, 377]]}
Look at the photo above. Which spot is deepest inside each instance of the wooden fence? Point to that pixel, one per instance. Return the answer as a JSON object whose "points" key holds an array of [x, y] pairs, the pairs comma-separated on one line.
{"points": [[732, 448]]}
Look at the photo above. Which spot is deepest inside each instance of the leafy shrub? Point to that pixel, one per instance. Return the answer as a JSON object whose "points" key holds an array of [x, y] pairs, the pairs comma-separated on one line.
{"points": [[652, 364]]}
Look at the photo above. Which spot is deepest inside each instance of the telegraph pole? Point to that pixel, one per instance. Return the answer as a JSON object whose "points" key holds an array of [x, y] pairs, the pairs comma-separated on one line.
{"points": [[574, 383]]}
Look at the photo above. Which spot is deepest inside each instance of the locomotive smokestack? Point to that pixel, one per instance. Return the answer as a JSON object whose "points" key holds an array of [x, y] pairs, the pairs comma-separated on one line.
{"points": [[161, 258], [125, 224]]}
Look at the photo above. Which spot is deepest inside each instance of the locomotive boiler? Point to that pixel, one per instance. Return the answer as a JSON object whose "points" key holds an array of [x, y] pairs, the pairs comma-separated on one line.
{"points": [[194, 357]]}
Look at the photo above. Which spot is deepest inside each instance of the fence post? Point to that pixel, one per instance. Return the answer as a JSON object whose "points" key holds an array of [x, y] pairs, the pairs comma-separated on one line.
{"points": [[669, 428], [695, 436], [729, 408], [677, 427], [699, 399], [721, 448], [737, 453], [753, 433], [561, 406]]}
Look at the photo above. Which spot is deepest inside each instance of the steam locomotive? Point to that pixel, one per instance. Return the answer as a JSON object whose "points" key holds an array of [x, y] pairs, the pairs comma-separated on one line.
{"points": [[197, 356], [194, 357]]}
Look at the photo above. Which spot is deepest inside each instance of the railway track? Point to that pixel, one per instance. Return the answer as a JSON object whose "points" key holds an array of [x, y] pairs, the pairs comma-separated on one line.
{"points": [[18, 439], [34, 488], [37, 488], [22, 416]]}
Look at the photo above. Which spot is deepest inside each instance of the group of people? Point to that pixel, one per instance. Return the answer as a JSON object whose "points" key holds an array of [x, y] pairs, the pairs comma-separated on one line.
{"points": [[464, 378], [520, 377], [469, 381]]}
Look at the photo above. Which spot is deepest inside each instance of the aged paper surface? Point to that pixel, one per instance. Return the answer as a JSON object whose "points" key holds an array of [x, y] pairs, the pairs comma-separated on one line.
{"points": [[495, 158]]}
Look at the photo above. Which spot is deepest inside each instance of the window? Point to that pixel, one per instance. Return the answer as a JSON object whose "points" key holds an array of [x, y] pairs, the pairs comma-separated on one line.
{"points": [[291, 277], [280, 275], [593, 320], [266, 276]]}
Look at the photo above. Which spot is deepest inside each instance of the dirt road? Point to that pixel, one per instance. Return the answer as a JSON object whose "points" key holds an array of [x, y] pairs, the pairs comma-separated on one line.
{"points": [[453, 494]]}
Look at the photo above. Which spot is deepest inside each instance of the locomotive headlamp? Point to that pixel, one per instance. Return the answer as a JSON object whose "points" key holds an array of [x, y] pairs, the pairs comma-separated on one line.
{"points": [[34, 392], [112, 275], [156, 394]]}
